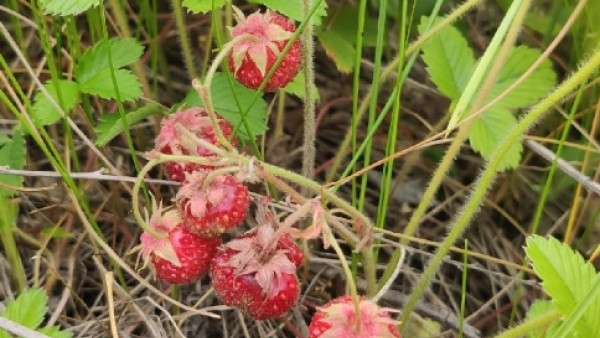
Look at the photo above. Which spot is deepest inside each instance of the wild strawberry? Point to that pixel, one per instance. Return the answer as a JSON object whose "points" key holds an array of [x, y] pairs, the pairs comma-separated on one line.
{"points": [[337, 319], [251, 59], [256, 273], [209, 209], [170, 140], [176, 255]]}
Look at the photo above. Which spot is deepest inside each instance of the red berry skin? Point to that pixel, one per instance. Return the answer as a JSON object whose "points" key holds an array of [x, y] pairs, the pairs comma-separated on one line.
{"points": [[170, 141], [218, 214], [248, 73], [243, 292], [294, 253], [338, 319], [194, 253]]}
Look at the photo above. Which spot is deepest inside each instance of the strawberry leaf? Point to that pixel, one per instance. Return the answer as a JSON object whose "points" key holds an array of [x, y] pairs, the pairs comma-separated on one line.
{"points": [[102, 85], [293, 9], [533, 88], [28, 309], [12, 154], [55, 332], [110, 125], [537, 309], [68, 7], [488, 130], [567, 278], [338, 49], [449, 60], [225, 105], [345, 23], [296, 87], [93, 72], [44, 113], [202, 6]]}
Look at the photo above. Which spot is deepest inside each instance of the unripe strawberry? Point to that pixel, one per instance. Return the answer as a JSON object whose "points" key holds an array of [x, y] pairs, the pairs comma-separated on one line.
{"points": [[210, 209], [251, 59], [176, 255], [171, 140], [256, 273], [337, 319]]}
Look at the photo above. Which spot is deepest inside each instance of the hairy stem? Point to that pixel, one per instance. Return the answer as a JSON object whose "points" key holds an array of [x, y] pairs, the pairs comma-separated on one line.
{"points": [[489, 173], [308, 158], [185, 41]]}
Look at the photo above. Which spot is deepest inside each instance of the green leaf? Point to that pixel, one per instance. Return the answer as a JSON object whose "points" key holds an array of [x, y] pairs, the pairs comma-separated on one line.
{"points": [[296, 87], [566, 278], [93, 72], [55, 332], [56, 232], [293, 9], [68, 7], [28, 309], [338, 49], [202, 6], [44, 113], [4, 139], [225, 105], [532, 89], [12, 154], [449, 60], [488, 130], [95, 59], [111, 125], [537, 309], [102, 85], [345, 23]]}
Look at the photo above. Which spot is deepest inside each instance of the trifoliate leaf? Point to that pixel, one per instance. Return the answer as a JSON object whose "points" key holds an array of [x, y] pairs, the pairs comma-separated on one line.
{"points": [[338, 49], [537, 309], [225, 105], [296, 87], [68, 7], [44, 113], [93, 72], [449, 60], [55, 332], [12, 154], [111, 125], [533, 88], [102, 85], [488, 130], [28, 309], [293, 9], [202, 6], [566, 278]]}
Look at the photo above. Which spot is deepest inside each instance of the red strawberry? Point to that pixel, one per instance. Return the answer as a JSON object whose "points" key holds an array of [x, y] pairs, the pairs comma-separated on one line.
{"points": [[251, 59], [256, 273], [337, 319], [177, 256], [171, 141], [211, 209]]}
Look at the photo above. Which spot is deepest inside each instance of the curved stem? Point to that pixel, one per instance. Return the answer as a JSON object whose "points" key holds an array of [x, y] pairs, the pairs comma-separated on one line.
{"points": [[489, 173], [144, 171], [389, 70], [135, 198], [463, 132], [530, 325]]}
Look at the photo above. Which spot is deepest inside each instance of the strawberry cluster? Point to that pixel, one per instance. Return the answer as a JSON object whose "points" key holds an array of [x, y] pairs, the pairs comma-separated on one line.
{"points": [[256, 272]]}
